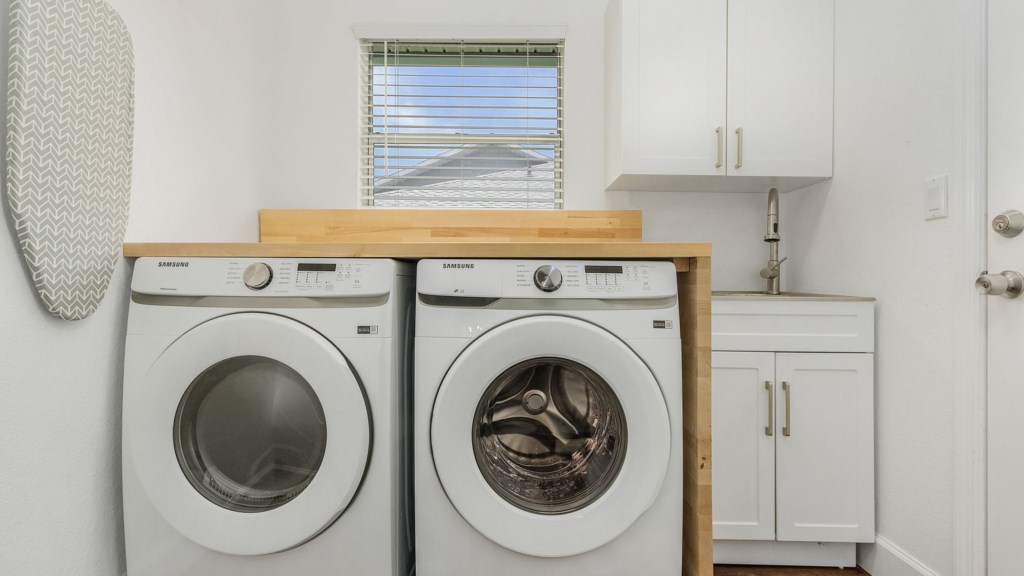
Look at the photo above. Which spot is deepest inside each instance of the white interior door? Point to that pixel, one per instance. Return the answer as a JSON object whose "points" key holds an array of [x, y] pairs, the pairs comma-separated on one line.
{"points": [[1005, 316]]}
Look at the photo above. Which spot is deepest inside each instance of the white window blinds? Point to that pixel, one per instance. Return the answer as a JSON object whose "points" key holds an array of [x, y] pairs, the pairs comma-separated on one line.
{"points": [[462, 124]]}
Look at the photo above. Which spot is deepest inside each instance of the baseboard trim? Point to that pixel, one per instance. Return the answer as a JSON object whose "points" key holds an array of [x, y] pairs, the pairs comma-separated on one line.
{"points": [[883, 558], [772, 553]]}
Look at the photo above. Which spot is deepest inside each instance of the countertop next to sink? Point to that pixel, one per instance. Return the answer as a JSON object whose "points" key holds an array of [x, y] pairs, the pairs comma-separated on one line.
{"points": [[787, 297]]}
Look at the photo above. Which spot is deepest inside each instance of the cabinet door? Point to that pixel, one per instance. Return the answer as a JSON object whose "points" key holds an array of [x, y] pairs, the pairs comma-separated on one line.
{"points": [[780, 87], [673, 67], [825, 448], [743, 451]]}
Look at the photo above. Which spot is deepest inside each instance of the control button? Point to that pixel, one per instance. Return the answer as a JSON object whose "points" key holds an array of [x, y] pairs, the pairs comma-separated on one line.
{"points": [[257, 276], [547, 278]]}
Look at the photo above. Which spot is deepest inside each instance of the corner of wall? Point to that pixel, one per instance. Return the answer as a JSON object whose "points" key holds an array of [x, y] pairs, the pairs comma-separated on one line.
{"points": [[883, 558]]}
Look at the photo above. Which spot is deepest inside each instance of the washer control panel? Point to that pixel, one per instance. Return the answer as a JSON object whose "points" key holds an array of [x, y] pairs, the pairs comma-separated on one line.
{"points": [[314, 277], [595, 280], [547, 279]]}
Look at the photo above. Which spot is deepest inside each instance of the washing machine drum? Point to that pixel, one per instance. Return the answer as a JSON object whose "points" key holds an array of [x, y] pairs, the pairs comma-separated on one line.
{"points": [[569, 437], [251, 434]]}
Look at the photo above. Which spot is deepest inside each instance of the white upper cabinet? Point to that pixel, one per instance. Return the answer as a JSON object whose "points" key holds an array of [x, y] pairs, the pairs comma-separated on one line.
{"points": [[780, 87], [666, 87], [718, 95]]}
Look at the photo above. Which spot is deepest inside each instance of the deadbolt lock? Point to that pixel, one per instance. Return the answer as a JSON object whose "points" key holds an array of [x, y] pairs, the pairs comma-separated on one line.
{"points": [[1009, 223]]}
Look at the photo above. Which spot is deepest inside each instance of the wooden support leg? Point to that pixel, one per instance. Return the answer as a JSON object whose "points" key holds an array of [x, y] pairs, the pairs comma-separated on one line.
{"points": [[695, 320]]}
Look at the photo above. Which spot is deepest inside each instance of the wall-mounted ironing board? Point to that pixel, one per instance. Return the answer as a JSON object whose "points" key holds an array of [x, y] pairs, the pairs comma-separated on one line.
{"points": [[71, 108]]}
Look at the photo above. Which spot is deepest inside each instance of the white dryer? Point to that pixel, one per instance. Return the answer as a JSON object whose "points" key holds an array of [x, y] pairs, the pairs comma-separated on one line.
{"points": [[263, 417], [548, 416]]}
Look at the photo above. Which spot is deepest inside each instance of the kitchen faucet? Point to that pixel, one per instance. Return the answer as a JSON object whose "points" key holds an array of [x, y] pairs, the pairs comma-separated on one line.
{"points": [[771, 273]]}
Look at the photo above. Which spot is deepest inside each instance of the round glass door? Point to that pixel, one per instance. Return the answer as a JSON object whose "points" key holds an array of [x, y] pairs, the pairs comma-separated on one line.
{"points": [[550, 435], [250, 434]]}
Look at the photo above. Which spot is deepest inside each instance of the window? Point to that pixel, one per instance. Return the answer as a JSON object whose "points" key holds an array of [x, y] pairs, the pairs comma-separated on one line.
{"points": [[462, 124]]}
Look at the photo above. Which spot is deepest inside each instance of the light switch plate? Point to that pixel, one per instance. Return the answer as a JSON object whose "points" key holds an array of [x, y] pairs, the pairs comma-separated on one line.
{"points": [[936, 198]]}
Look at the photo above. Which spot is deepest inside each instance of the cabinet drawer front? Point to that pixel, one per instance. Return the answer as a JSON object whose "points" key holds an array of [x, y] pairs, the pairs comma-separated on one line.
{"points": [[793, 326]]}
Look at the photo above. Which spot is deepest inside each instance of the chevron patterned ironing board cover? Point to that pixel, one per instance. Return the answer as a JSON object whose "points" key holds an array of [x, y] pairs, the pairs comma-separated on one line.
{"points": [[71, 109]]}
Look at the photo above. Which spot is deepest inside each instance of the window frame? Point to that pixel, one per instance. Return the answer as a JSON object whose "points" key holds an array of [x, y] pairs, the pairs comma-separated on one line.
{"points": [[468, 35]]}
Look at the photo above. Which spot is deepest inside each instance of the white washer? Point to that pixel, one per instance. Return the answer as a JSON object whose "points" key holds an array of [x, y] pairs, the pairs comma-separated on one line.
{"points": [[548, 416], [264, 417]]}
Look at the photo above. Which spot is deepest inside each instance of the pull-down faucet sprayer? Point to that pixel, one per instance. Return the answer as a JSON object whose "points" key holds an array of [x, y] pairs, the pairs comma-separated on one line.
{"points": [[772, 273]]}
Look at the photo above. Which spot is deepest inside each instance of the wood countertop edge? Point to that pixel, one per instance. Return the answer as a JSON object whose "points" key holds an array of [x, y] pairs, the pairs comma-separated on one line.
{"points": [[415, 250]]}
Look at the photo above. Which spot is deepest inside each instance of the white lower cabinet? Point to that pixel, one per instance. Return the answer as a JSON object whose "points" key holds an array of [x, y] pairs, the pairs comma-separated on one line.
{"points": [[743, 453], [824, 448], [792, 456]]}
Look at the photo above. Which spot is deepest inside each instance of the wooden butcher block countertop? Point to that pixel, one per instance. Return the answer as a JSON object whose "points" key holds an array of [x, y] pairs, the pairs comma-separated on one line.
{"points": [[418, 250]]}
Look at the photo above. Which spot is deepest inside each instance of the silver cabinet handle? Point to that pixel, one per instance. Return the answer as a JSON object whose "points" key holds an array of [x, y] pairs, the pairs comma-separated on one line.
{"points": [[739, 148], [787, 429], [721, 147], [769, 430]]}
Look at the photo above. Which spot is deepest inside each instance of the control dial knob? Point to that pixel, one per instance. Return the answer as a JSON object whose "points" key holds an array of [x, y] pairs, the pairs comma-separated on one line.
{"points": [[547, 278], [257, 276]]}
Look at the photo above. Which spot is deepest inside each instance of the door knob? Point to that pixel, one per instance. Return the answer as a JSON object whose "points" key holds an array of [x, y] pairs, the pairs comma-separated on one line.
{"points": [[1008, 283], [1009, 224]]}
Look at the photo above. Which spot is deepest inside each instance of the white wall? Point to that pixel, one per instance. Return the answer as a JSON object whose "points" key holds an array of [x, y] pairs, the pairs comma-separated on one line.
{"points": [[258, 108], [864, 233], [205, 124], [60, 408]]}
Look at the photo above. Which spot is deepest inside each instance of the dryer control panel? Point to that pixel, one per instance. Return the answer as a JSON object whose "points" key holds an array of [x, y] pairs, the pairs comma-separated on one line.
{"points": [[308, 277], [569, 279]]}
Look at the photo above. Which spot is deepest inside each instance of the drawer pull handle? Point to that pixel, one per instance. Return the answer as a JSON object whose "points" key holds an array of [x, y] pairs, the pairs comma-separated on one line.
{"points": [[787, 429], [769, 430], [739, 148], [721, 147]]}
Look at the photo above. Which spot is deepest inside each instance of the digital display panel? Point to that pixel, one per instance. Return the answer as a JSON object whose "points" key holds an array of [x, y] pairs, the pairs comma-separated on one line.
{"points": [[317, 267], [603, 269]]}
